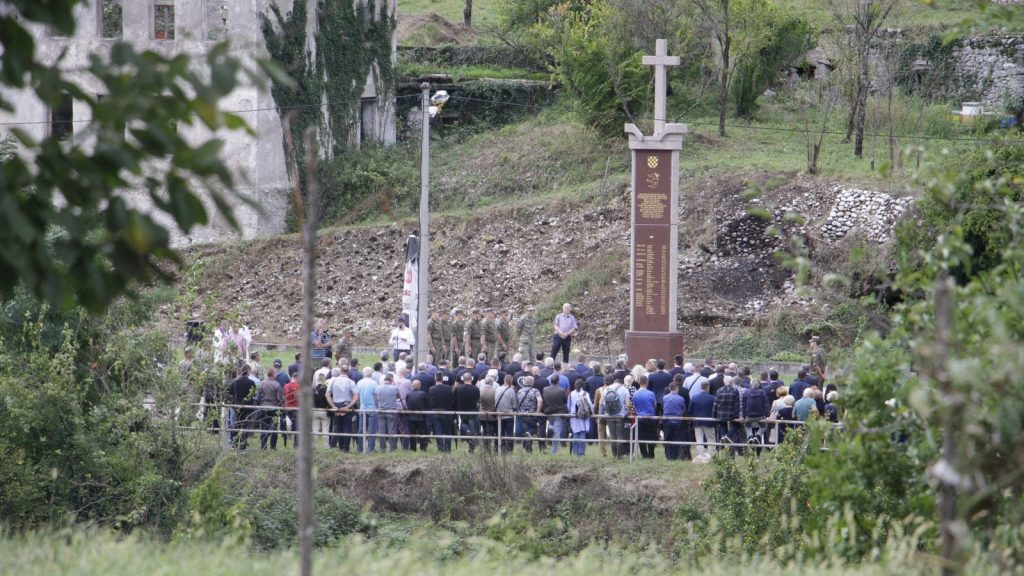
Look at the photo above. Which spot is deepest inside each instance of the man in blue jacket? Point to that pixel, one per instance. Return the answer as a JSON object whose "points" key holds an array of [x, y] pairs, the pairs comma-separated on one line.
{"points": [[702, 407], [675, 407], [644, 401], [796, 389]]}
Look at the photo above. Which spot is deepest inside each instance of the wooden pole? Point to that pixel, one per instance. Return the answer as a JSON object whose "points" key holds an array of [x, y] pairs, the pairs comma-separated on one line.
{"points": [[304, 454], [949, 480]]}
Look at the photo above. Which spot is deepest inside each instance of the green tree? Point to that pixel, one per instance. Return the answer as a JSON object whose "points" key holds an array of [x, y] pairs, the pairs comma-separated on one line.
{"points": [[863, 20], [608, 81], [738, 30], [790, 38], [67, 233]]}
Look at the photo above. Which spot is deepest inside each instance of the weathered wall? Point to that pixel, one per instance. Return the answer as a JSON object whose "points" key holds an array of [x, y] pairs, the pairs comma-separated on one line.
{"points": [[257, 161], [994, 65]]}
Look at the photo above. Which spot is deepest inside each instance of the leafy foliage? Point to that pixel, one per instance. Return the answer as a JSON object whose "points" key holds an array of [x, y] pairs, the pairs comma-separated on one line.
{"points": [[789, 39], [609, 82], [68, 235], [75, 439], [351, 44], [973, 200]]}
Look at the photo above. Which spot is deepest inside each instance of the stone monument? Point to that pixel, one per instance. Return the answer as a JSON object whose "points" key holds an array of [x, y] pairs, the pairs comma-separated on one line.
{"points": [[655, 227]]}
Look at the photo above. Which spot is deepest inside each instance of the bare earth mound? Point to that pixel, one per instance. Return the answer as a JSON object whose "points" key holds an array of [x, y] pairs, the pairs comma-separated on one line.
{"points": [[540, 253]]}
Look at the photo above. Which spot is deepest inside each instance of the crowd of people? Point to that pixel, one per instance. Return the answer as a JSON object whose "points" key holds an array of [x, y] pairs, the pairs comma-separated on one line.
{"points": [[495, 402]]}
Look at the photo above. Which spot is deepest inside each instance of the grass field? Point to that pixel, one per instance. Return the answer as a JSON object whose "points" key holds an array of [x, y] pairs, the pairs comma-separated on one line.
{"points": [[96, 553], [936, 14], [485, 12]]}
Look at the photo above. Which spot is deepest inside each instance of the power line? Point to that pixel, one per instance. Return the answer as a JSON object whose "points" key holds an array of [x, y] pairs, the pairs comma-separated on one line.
{"points": [[784, 129], [250, 110], [872, 134]]}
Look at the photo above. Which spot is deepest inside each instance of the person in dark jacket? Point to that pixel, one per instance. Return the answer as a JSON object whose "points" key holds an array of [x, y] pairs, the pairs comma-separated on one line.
{"points": [[271, 398], [416, 402], [702, 408], [674, 430], [467, 399], [687, 430], [717, 380], [754, 409], [556, 408], [786, 414], [441, 399], [727, 410], [242, 395], [658, 382], [796, 389]]}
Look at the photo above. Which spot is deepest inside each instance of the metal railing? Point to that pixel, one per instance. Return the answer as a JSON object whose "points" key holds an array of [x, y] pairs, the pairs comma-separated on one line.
{"points": [[502, 439]]}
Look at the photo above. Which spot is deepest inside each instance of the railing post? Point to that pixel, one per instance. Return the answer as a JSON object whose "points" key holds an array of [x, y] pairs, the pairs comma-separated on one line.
{"points": [[501, 447], [362, 431], [225, 435], [515, 425]]}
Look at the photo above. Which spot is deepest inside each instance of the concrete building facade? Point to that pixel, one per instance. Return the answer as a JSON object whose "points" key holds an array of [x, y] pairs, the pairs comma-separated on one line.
{"points": [[192, 27]]}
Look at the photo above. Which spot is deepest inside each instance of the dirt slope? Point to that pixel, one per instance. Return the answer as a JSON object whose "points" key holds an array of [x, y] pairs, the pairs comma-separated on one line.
{"points": [[537, 252]]}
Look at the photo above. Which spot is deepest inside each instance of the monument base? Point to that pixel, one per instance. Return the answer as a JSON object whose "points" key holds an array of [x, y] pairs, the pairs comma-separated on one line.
{"points": [[642, 346]]}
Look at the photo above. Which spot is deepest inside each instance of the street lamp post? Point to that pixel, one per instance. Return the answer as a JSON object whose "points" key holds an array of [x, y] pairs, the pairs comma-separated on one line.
{"points": [[424, 256], [431, 106]]}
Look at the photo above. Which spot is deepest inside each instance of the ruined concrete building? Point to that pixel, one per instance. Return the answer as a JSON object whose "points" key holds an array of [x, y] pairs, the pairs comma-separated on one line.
{"points": [[192, 27]]}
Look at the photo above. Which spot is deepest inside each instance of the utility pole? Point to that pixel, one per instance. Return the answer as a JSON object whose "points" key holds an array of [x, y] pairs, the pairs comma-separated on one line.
{"points": [[304, 454], [423, 288]]}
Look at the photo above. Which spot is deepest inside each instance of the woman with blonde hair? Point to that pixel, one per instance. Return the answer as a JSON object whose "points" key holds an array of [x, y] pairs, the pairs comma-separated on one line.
{"points": [[781, 393]]}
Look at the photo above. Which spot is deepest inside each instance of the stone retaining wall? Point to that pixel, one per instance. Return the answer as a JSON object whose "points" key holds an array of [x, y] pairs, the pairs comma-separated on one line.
{"points": [[994, 65], [875, 213]]}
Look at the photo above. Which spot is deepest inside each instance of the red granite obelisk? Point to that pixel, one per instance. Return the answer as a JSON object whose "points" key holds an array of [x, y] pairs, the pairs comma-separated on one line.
{"points": [[655, 227]]}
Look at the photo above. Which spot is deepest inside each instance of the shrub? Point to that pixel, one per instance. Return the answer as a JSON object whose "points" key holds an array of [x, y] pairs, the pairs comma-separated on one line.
{"points": [[275, 519], [75, 439], [986, 178], [608, 82], [788, 40]]}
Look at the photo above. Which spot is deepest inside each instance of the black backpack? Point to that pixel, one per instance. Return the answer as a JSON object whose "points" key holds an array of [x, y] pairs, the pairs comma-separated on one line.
{"points": [[320, 396], [612, 402]]}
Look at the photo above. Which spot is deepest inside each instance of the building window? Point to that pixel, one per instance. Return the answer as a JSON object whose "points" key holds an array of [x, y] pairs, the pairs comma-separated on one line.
{"points": [[368, 120], [163, 20], [62, 118], [216, 20], [111, 19]]}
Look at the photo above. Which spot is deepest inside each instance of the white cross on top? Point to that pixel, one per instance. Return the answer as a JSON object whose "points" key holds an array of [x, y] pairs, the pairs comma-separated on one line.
{"points": [[660, 61]]}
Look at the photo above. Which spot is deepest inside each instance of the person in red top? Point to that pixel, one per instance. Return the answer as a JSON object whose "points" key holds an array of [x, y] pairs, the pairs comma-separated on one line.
{"points": [[291, 405]]}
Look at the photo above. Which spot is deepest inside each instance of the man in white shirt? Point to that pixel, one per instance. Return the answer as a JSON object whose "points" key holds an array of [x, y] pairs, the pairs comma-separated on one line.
{"points": [[325, 369], [402, 339], [692, 379]]}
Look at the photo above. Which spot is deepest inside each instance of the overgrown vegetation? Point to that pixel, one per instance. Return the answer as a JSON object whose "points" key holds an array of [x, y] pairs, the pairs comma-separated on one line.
{"points": [[76, 442], [352, 43]]}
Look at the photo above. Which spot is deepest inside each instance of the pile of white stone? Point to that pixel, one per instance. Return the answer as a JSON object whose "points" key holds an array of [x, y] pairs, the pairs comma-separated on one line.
{"points": [[874, 213]]}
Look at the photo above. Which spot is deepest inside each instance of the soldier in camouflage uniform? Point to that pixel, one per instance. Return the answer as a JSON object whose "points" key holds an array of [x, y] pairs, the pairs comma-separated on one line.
{"points": [[434, 334], [504, 333], [489, 330], [819, 359], [445, 350], [458, 327], [472, 335], [343, 349], [526, 331]]}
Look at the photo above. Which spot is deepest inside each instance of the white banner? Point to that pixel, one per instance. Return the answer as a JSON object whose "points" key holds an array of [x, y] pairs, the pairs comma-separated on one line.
{"points": [[410, 285]]}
